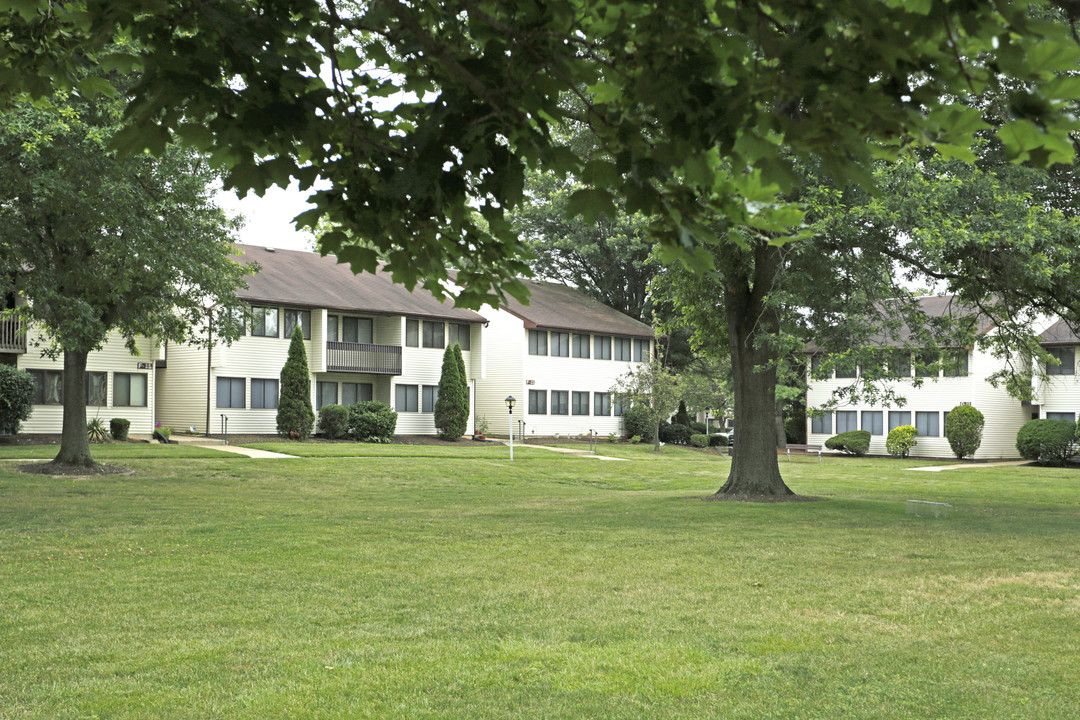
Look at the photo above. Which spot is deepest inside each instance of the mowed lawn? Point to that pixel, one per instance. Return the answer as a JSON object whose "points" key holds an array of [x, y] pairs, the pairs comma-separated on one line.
{"points": [[464, 586]]}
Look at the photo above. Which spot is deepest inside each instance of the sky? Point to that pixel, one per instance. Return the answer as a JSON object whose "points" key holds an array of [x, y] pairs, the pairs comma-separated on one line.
{"points": [[268, 219]]}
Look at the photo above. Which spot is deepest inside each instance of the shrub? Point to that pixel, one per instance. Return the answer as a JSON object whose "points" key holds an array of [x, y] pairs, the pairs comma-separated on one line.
{"points": [[699, 441], [372, 422], [16, 397], [681, 417], [637, 420], [634, 439], [118, 428], [698, 427], [675, 434], [853, 442], [1047, 441], [900, 440], [95, 430], [295, 418], [451, 414], [718, 440], [963, 430], [334, 421]]}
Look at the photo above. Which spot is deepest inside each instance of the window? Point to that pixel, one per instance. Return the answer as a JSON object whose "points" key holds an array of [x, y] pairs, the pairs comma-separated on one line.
{"points": [[325, 394], [1067, 357], [815, 365], [264, 321], [822, 424], [847, 420], [461, 334], [301, 316], [956, 364], [560, 344], [898, 418], [580, 404], [926, 364], [617, 408], [357, 330], [641, 351], [264, 394], [96, 388], [129, 390], [602, 347], [601, 404], [560, 402], [230, 392], [434, 334], [412, 333], [927, 423], [622, 349], [872, 422], [430, 396], [352, 393], [846, 370], [331, 328], [538, 342], [579, 346], [49, 388], [900, 363], [1071, 417], [405, 397], [538, 402]]}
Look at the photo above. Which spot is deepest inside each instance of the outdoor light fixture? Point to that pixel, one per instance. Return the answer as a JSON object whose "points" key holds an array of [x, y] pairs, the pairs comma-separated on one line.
{"points": [[510, 400]]}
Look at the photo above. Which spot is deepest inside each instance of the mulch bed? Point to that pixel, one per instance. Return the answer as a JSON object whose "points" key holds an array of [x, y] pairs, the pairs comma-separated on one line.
{"points": [[54, 470]]}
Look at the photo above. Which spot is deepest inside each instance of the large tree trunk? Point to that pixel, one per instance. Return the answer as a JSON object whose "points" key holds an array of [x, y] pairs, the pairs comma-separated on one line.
{"points": [[755, 472], [74, 443], [781, 433]]}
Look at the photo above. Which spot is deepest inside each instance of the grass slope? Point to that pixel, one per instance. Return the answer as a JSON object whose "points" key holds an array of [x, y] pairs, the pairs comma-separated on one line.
{"points": [[554, 587]]}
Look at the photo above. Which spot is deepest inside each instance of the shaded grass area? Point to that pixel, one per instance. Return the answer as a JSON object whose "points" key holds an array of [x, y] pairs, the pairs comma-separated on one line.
{"points": [[555, 587], [113, 451], [465, 450]]}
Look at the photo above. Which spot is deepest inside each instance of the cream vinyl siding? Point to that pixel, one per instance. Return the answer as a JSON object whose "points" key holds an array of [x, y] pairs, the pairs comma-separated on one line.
{"points": [[503, 373], [423, 366], [181, 388], [1004, 414], [1059, 393], [113, 357]]}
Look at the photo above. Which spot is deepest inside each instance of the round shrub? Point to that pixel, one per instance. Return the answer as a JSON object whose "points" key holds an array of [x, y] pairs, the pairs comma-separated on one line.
{"points": [[698, 427], [334, 421], [675, 434], [718, 440], [900, 440], [16, 397], [1047, 441], [637, 420], [853, 442], [699, 441], [963, 429], [372, 422], [118, 428]]}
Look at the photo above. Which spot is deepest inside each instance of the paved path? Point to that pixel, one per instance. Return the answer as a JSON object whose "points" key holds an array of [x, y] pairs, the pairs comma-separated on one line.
{"points": [[971, 466], [566, 451], [215, 444]]}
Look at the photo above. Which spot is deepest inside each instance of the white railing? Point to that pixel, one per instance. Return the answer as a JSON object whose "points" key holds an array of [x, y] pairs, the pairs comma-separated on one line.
{"points": [[12, 335]]}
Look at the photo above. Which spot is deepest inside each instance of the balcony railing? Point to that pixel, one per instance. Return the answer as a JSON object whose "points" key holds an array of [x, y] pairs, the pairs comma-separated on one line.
{"points": [[363, 358], [12, 335]]}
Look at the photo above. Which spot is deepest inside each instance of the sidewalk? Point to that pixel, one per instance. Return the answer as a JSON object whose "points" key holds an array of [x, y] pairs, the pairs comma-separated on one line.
{"points": [[215, 444], [564, 451], [972, 466]]}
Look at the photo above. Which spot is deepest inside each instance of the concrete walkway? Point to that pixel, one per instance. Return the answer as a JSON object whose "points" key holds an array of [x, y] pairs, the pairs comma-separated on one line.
{"points": [[972, 466], [215, 444], [565, 451]]}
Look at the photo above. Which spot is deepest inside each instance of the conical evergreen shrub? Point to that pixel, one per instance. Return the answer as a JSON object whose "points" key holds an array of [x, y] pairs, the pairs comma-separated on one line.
{"points": [[681, 416], [295, 417], [464, 381], [450, 417]]}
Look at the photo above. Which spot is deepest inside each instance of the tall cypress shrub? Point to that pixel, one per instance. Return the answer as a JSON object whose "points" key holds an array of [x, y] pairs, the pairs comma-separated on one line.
{"points": [[295, 418], [450, 417], [681, 416], [464, 381]]}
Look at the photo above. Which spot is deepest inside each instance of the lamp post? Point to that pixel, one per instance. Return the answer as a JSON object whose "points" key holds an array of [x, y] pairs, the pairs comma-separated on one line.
{"points": [[510, 400], [706, 422]]}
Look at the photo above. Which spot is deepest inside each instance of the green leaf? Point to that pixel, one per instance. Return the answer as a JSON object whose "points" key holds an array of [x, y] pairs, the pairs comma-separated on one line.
{"points": [[590, 204], [90, 87]]}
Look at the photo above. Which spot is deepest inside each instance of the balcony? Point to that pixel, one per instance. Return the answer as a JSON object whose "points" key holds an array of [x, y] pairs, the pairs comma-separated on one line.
{"points": [[363, 358], [12, 336]]}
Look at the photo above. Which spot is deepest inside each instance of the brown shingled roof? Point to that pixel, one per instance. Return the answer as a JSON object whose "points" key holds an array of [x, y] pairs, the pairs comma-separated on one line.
{"points": [[1059, 334], [554, 306], [306, 279], [934, 306]]}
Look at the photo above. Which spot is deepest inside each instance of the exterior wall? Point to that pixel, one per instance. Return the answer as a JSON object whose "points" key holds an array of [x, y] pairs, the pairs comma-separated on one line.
{"points": [[113, 357], [1059, 393], [423, 366], [181, 389], [503, 371], [1004, 414]]}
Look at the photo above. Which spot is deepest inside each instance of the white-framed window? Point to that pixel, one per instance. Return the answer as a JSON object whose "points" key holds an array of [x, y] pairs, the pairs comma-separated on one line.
{"points": [[617, 408], [579, 403], [48, 387], [956, 364], [821, 424], [560, 344], [429, 395], [434, 334], [1067, 358], [264, 321], [538, 342], [560, 402], [927, 423], [898, 418], [357, 330], [926, 363], [846, 420], [1070, 417], [298, 316], [579, 346], [352, 393], [873, 422], [601, 404], [641, 350], [230, 392], [538, 402], [602, 347], [406, 398], [97, 390], [130, 390], [331, 328], [623, 349], [264, 393], [412, 332], [461, 334], [325, 393], [900, 363]]}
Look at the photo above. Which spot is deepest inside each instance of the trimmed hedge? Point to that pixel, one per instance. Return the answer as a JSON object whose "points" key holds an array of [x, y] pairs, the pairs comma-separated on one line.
{"points": [[699, 427], [963, 429], [637, 420], [675, 434], [901, 439], [16, 397], [718, 440], [699, 441], [118, 428], [1047, 441], [372, 421], [853, 442], [334, 421]]}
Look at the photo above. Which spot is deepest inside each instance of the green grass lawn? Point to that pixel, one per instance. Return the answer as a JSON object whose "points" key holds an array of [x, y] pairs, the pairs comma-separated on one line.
{"points": [[464, 586], [113, 451]]}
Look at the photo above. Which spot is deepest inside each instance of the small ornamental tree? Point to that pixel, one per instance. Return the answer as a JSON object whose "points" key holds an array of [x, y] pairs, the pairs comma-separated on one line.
{"points": [[295, 418], [451, 415], [900, 440], [963, 430], [464, 380], [16, 398], [852, 442]]}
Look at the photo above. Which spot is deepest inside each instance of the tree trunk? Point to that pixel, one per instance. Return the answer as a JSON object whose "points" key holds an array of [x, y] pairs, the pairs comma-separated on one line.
{"points": [[755, 472], [781, 433], [74, 442]]}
